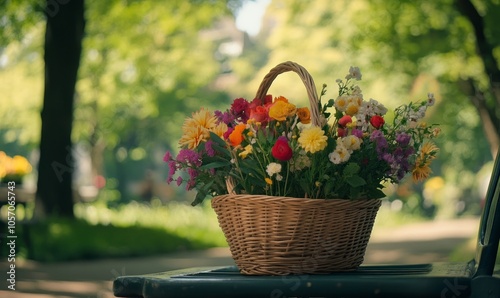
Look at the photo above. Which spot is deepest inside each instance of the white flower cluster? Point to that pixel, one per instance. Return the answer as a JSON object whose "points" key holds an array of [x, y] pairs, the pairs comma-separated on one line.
{"points": [[274, 169]]}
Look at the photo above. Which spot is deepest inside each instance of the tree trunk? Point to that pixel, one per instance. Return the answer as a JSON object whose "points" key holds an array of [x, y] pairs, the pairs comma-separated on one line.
{"points": [[63, 46], [487, 109]]}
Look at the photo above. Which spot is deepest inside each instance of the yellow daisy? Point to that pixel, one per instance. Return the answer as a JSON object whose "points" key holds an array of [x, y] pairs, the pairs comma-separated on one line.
{"points": [[204, 118], [193, 136], [313, 139]]}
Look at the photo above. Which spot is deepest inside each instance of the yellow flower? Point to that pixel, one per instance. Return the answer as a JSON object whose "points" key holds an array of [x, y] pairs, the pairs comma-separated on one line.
{"points": [[247, 150], [281, 109], [313, 139], [422, 168], [352, 109], [204, 118], [269, 181], [193, 136], [421, 172], [428, 151], [219, 129], [21, 166], [196, 129], [281, 98]]}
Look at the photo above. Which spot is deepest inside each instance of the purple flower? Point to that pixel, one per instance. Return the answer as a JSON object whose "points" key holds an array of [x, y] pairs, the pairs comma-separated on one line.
{"points": [[179, 180], [225, 117], [208, 147], [193, 173], [167, 156], [172, 168], [403, 139], [357, 132], [380, 142], [189, 157]]}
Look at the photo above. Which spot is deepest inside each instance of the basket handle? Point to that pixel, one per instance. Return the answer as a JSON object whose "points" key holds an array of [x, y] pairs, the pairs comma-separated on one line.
{"points": [[306, 79]]}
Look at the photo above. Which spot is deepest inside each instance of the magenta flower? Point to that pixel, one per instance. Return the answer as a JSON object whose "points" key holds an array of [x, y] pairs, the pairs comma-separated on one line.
{"points": [[208, 147]]}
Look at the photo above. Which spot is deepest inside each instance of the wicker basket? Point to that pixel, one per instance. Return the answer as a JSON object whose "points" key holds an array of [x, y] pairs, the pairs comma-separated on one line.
{"points": [[270, 235]]}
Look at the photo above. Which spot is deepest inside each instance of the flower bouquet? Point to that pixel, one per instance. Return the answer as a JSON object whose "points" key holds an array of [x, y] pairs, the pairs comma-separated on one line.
{"points": [[296, 189]]}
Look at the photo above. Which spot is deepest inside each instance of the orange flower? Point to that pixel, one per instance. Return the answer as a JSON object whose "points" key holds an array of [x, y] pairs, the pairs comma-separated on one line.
{"points": [[236, 136], [304, 115]]}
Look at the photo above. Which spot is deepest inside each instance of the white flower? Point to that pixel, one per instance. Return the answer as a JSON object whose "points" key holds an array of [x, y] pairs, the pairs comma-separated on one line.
{"points": [[354, 72], [279, 177], [430, 99], [273, 168], [352, 143], [340, 154]]}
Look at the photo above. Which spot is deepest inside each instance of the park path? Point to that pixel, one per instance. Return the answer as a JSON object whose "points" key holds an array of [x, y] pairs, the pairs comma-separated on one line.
{"points": [[415, 243]]}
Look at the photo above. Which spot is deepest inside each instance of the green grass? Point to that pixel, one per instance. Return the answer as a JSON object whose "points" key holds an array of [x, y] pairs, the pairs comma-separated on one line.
{"points": [[129, 230]]}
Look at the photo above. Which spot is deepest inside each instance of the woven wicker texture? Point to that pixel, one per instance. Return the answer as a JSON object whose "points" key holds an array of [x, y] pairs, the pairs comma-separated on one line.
{"points": [[270, 235], [306, 79]]}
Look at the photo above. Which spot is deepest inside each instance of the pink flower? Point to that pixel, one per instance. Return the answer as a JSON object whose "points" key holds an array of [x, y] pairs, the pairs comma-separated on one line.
{"points": [[346, 119]]}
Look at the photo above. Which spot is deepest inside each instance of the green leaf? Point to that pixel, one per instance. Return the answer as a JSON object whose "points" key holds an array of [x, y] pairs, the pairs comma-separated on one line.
{"points": [[356, 181], [376, 194], [202, 193], [351, 169], [215, 165]]}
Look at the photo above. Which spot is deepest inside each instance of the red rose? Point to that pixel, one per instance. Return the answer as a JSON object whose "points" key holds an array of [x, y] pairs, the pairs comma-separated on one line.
{"points": [[377, 121], [260, 114], [345, 120], [281, 150]]}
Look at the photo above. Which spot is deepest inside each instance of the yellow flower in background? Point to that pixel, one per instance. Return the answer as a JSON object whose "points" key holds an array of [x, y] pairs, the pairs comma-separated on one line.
{"points": [[313, 139], [21, 166], [280, 110], [422, 169], [17, 166]]}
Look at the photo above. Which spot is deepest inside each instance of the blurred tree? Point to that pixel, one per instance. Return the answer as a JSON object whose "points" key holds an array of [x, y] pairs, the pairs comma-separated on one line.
{"points": [[63, 46], [486, 99], [145, 66], [404, 49]]}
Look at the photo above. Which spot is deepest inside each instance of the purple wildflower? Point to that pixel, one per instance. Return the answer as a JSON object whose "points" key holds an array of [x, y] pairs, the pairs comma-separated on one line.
{"points": [[225, 117], [172, 168], [179, 180], [403, 139], [357, 132], [380, 141], [190, 157], [193, 173], [208, 147], [167, 157]]}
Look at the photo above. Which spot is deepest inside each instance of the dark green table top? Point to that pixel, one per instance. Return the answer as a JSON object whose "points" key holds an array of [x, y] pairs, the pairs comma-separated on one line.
{"points": [[419, 280]]}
